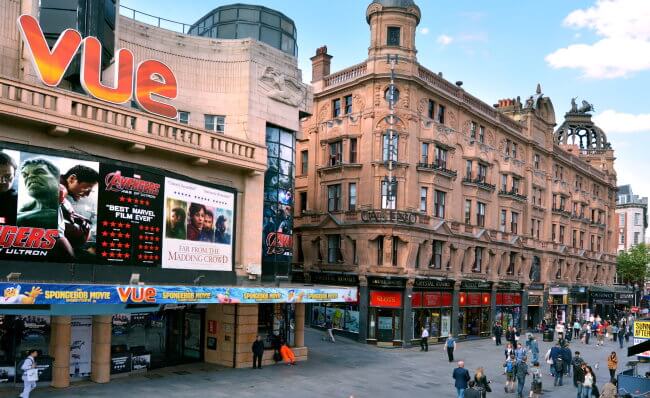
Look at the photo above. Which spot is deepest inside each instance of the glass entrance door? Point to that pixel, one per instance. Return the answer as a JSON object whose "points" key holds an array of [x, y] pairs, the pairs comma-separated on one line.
{"points": [[184, 336]]}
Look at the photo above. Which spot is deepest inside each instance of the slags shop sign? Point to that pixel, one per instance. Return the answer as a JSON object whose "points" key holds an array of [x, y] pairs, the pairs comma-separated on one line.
{"points": [[401, 217], [147, 83]]}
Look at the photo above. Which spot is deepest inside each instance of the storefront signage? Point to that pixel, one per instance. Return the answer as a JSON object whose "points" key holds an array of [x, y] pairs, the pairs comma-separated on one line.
{"points": [[385, 299], [50, 293], [121, 363], [625, 296], [386, 282], [431, 299], [118, 215], [534, 300], [396, 216], [474, 299], [558, 291], [578, 289], [434, 283], [508, 299], [334, 278], [536, 286], [602, 296], [147, 83], [475, 285]]}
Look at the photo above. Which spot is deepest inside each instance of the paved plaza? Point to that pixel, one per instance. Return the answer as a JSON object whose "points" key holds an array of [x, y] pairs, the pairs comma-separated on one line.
{"points": [[334, 370]]}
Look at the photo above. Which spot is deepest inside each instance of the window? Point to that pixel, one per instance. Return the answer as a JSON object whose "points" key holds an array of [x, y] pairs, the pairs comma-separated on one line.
{"points": [[388, 195], [512, 263], [353, 150], [441, 157], [481, 134], [304, 162], [355, 255], [636, 238], [562, 234], [468, 211], [514, 222], [592, 243], [621, 220], [468, 169], [480, 214], [637, 219], [472, 130], [417, 257], [215, 123], [334, 249], [582, 239], [536, 161], [538, 194], [336, 153], [336, 107], [482, 172], [424, 153], [334, 197], [575, 238], [380, 250], [432, 108], [352, 196], [555, 204], [514, 150], [390, 148], [560, 265], [502, 220], [436, 257], [478, 259], [348, 104], [393, 36], [394, 251], [504, 182], [537, 224], [439, 204], [507, 148], [183, 117], [562, 203], [441, 114], [599, 242], [622, 238], [303, 201], [553, 230], [515, 184], [423, 199]]}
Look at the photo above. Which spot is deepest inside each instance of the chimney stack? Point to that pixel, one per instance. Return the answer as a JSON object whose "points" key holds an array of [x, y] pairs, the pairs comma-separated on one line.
{"points": [[320, 64]]}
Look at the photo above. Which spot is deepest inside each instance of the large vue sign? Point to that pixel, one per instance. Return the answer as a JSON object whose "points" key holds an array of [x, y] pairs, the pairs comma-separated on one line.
{"points": [[151, 81]]}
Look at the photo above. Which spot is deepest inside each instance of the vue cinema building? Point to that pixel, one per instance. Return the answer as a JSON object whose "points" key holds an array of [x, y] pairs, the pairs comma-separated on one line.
{"points": [[132, 233], [446, 212]]}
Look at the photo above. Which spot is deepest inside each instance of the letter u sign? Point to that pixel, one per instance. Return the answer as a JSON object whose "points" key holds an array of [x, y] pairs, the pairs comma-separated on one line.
{"points": [[151, 82]]}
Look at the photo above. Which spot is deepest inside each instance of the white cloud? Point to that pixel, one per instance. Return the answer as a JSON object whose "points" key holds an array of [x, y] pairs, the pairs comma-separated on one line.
{"points": [[612, 121], [444, 40], [624, 47], [424, 31]]}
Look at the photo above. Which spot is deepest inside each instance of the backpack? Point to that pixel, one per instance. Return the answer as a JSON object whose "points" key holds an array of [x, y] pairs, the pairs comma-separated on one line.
{"points": [[19, 370], [509, 366], [559, 364]]}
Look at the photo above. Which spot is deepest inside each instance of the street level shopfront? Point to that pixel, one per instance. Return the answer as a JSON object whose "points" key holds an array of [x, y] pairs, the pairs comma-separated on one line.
{"points": [[344, 316], [535, 305], [385, 312], [557, 304], [578, 304], [475, 306], [431, 303]]}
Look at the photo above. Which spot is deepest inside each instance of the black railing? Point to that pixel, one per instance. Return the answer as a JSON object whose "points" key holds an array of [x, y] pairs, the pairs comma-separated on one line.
{"points": [[514, 195], [438, 168], [479, 182], [154, 20]]}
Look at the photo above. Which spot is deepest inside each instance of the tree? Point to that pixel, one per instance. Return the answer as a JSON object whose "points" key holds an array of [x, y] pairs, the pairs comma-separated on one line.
{"points": [[632, 265]]}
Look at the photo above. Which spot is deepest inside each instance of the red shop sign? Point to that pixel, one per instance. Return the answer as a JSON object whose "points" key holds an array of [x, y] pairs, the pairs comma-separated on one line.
{"points": [[212, 327], [499, 298], [446, 299], [416, 300], [474, 299], [385, 299], [432, 300]]}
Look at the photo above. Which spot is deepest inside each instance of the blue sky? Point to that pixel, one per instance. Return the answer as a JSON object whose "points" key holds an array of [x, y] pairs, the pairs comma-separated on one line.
{"points": [[598, 50]]}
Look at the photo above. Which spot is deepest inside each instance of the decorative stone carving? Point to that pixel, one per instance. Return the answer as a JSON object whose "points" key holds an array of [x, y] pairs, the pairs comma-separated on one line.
{"points": [[423, 105], [283, 88], [359, 102], [451, 117], [324, 112]]}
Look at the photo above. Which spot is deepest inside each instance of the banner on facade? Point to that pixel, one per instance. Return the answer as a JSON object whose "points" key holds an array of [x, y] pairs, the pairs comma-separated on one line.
{"points": [[641, 334], [81, 333], [51, 293]]}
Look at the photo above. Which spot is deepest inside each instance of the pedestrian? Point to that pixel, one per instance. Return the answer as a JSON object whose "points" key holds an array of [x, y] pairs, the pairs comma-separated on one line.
{"points": [[498, 332], [461, 377], [621, 335], [578, 374], [558, 368], [330, 329], [587, 332], [565, 352], [536, 385], [30, 373], [560, 330], [258, 352], [521, 371], [601, 334], [533, 347], [612, 364], [424, 340], [615, 332], [549, 360], [450, 346], [509, 368], [520, 352], [609, 390], [482, 383], [276, 343], [589, 382], [511, 336], [287, 354], [472, 390], [576, 329], [509, 350], [627, 332]]}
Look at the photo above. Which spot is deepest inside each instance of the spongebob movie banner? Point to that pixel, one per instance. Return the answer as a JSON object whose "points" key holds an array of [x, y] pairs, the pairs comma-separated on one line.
{"points": [[69, 210], [50, 293]]}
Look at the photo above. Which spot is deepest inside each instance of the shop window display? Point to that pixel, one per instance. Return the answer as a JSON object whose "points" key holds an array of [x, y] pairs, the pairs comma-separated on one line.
{"points": [[344, 317], [276, 323], [437, 321], [21, 333], [384, 324]]}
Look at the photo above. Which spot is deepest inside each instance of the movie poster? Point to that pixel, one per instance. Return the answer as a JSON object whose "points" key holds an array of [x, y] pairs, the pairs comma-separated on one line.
{"points": [[130, 216], [198, 227], [48, 207], [81, 333]]}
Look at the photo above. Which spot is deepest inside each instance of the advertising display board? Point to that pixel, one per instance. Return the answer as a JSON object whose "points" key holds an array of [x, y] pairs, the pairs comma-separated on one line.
{"points": [[81, 333], [641, 334], [69, 210]]}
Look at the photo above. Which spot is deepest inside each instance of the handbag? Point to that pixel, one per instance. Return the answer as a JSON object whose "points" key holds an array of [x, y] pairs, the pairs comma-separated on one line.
{"points": [[31, 374]]}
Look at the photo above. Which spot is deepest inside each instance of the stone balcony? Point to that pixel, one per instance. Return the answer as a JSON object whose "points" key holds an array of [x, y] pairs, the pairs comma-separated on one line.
{"points": [[64, 112]]}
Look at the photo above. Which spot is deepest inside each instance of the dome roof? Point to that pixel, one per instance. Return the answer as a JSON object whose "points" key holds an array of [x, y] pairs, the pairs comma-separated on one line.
{"points": [[396, 3], [377, 5]]}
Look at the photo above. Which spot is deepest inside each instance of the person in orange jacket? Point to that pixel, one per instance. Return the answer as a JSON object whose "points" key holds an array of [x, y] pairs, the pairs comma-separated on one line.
{"points": [[287, 355]]}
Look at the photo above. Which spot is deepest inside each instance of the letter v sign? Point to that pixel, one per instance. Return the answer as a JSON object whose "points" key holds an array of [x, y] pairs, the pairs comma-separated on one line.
{"points": [[49, 65]]}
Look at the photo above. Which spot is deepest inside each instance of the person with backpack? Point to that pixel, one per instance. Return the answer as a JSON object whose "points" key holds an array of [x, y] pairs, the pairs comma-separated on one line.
{"points": [[29, 373], [509, 367], [558, 369], [536, 385], [521, 371], [450, 347]]}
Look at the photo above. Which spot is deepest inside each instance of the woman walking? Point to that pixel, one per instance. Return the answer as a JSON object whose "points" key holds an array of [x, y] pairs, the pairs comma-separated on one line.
{"points": [[588, 384], [481, 382], [612, 364]]}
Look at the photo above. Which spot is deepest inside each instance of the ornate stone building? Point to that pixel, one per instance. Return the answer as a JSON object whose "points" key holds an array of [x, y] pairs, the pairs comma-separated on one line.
{"points": [[448, 213]]}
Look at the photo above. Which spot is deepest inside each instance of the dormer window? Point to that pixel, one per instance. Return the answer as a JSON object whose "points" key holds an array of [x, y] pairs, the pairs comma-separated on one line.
{"points": [[393, 38]]}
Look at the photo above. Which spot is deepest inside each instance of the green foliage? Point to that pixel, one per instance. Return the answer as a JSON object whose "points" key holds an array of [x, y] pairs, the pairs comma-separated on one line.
{"points": [[632, 265]]}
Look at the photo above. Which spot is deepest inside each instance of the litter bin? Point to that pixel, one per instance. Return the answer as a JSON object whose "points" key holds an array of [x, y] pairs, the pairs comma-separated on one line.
{"points": [[548, 335]]}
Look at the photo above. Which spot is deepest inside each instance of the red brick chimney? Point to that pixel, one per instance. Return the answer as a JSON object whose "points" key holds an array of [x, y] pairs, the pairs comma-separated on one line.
{"points": [[320, 64]]}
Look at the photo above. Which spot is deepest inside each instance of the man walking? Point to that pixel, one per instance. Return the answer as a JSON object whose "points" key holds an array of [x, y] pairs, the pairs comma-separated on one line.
{"points": [[498, 332], [30, 373], [461, 377], [329, 326], [533, 347], [424, 340], [450, 346], [258, 352], [621, 335], [521, 371]]}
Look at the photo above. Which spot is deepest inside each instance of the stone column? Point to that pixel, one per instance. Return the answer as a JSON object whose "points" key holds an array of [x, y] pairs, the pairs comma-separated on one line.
{"points": [[101, 349], [455, 309], [493, 305], [363, 310], [407, 325], [300, 325], [544, 303], [61, 351], [524, 309]]}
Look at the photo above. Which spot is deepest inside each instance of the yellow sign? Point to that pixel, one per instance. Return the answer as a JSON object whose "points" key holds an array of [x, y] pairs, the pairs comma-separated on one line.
{"points": [[642, 330]]}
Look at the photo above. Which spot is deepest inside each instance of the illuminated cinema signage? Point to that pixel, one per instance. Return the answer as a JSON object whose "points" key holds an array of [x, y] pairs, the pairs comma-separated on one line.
{"points": [[146, 83]]}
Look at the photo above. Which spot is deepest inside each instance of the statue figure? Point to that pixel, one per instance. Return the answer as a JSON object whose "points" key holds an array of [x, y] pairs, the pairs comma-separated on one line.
{"points": [[586, 107], [574, 105]]}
